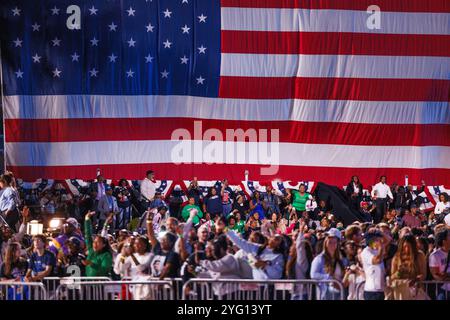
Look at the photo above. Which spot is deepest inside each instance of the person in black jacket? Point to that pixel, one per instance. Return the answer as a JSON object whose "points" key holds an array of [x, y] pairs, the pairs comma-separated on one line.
{"points": [[355, 192]]}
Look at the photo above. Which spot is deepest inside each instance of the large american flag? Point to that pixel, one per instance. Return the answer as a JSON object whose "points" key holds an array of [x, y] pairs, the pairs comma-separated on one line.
{"points": [[346, 99]]}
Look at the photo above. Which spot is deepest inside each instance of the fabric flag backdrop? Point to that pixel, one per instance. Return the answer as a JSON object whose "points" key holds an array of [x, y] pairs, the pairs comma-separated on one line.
{"points": [[346, 99]]}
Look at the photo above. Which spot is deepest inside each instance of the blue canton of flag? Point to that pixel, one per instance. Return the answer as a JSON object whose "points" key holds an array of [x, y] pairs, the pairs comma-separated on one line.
{"points": [[144, 47]]}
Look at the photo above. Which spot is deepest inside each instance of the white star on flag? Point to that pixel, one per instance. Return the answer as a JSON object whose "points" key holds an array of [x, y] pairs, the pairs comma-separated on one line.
{"points": [[148, 59], [184, 60], [130, 73], [112, 26], [202, 18], [202, 49], [35, 26], [56, 73], [93, 72], [112, 58], [93, 10], [55, 11], [185, 29], [184, 1], [200, 80], [94, 42], [18, 42], [167, 13], [131, 12], [167, 44], [131, 42], [56, 42], [16, 11], [75, 57], [164, 74], [36, 58], [150, 27], [19, 74]]}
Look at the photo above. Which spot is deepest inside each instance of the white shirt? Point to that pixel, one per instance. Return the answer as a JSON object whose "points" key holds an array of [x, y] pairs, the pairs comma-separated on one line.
{"points": [[375, 273], [447, 220], [148, 189], [438, 259], [143, 267], [382, 190], [441, 206], [355, 188]]}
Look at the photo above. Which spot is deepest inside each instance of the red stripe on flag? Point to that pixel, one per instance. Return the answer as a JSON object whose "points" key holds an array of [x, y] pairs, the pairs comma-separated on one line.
{"points": [[127, 129], [274, 42], [234, 173], [385, 5], [334, 88]]}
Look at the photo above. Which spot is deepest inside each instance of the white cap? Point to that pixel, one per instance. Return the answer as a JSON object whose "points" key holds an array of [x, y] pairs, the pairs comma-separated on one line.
{"points": [[333, 232]]}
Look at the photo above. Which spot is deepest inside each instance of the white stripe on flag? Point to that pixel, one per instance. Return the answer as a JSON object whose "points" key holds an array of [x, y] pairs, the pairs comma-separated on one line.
{"points": [[105, 106], [134, 152], [334, 66], [324, 20]]}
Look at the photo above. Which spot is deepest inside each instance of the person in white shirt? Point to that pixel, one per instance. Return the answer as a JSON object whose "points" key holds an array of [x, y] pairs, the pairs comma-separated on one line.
{"points": [[443, 203], [9, 202], [380, 193], [148, 190], [439, 263], [138, 262], [373, 265]]}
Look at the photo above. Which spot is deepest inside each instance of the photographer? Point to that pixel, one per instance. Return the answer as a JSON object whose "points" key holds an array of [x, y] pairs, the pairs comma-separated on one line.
{"points": [[106, 206], [123, 197]]}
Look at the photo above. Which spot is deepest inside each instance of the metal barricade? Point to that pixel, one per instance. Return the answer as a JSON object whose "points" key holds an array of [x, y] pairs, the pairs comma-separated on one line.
{"points": [[52, 283], [360, 290], [246, 289], [12, 290], [117, 290], [177, 284], [435, 290]]}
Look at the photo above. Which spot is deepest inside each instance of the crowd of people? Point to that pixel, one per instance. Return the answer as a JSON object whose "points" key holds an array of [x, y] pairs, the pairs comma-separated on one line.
{"points": [[122, 233]]}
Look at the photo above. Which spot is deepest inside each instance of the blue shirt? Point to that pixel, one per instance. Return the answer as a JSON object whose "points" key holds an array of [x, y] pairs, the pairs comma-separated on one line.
{"points": [[8, 199], [213, 204], [39, 263]]}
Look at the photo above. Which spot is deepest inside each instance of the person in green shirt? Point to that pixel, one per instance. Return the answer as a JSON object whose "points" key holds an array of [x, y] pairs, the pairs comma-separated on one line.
{"points": [[235, 223], [99, 260], [187, 209], [299, 198]]}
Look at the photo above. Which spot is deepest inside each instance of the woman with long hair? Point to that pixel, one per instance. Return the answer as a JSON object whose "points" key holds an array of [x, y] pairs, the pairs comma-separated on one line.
{"points": [[299, 261], [14, 267], [408, 267], [329, 265]]}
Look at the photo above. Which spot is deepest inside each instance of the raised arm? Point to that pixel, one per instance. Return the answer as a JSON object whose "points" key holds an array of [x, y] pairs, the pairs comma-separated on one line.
{"points": [[242, 244], [150, 231]]}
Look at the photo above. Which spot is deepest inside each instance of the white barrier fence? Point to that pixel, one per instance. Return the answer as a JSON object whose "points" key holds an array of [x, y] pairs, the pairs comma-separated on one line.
{"points": [[240, 289], [422, 290], [103, 288], [14, 291], [116, 290]]}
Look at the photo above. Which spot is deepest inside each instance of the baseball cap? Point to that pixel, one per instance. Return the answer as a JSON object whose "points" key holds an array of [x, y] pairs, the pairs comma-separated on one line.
{"points": [[108, 188], [73, 222], [364, 203], [333, 232]]}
